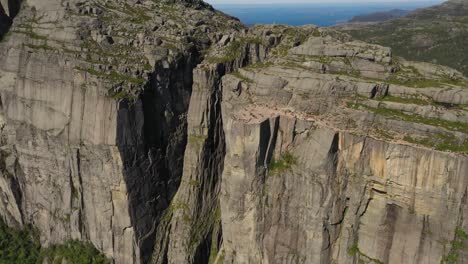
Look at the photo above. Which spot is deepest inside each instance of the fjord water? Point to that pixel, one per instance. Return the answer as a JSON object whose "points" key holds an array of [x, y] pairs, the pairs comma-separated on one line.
{"points": [[321, 14]]}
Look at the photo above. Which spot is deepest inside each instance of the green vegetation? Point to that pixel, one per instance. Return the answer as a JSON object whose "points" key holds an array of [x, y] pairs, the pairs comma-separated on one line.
{"points": [[242, 77], [123, 95], [43, 46], [450, 125], [137, 14], [235, 49], [194, 183], [114, 76], [216, 248], [74, 252], [133, 14], [30, 34], [458, 244], [286, 161], [384, 133], [406, 100], [423, 36], [409, 76], [18, 246], [451, 146], [298, 35], [354, 251], [459, 233], [281, 50], [23, 247], [424, 83], [202, 227], [196, 139], [231, 52], [440, 142], [260, 65]]}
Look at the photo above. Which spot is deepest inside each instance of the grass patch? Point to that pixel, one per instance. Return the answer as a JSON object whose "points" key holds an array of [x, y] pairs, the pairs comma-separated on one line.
{"points": [[194, 183], [113, 76], [423, 83], [449, 125], [260, 65], [18, 246], [23, 247], [354, 251], [120, 77], [75, 252], [202, 227], [242, 77], [137, 15], [384, 134], [403, 100], [30, 34], [447, 48], [281, 50], [231, 52], [458, 244], [123, 95], [43, 46], [286, 161], [196, 139], [235, 49], [91, 71], [439, 142]]}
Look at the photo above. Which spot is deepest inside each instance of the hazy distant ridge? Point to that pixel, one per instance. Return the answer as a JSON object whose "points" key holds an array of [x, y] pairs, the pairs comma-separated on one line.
{"points": [[380, 16]]}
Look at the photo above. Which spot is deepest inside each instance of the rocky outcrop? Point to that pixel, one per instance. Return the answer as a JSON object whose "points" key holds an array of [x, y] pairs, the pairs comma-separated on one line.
{"points": [[306, 180], [176, 135], [94, 114]]}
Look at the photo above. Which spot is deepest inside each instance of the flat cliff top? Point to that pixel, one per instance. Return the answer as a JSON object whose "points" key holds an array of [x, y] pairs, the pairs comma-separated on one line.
{"points": [[325, 76], [316, 73], [117, 44], [168, 132]]}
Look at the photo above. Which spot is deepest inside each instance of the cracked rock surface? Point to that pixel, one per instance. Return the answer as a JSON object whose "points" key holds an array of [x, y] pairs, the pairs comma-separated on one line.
{"points": [[168, 132]]}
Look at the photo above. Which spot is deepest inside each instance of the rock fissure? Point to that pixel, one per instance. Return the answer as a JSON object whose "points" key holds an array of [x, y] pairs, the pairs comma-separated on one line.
{"points": [[174, 134]]}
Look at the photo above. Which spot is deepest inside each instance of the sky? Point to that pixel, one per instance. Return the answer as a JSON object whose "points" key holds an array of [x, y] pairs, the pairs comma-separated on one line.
{"points": [[312, 1]]}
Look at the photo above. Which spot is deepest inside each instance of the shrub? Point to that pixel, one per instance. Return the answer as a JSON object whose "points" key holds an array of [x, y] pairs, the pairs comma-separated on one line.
{"points": [[23, 247], [286, 161]]}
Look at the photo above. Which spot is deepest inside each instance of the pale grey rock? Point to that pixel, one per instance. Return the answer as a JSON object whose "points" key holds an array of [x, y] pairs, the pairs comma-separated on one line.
{"points": [[161, 139]]}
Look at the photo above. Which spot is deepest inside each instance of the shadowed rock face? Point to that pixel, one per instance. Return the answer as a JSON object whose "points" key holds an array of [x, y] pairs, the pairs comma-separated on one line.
{"points": [[166, 132], [8, 11], [95, 118]]}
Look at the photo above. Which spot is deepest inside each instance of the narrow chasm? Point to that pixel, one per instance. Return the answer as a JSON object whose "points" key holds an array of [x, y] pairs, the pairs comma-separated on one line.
{"points": [[151, 137], [8, 11]]}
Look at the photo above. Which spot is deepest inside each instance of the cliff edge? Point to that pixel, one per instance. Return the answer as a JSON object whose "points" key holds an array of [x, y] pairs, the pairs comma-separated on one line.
{"points": [[167, 132]]}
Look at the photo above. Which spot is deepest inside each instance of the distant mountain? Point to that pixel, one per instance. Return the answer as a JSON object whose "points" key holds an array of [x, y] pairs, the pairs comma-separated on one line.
{"points": [[380, 16], [437, 34]]}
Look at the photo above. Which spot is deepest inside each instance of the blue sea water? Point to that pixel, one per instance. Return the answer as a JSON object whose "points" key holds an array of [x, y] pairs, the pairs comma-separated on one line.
{"points": [[320, 14]]}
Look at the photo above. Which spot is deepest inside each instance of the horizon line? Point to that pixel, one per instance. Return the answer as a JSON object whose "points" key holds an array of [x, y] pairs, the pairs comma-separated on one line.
{"points": [[333, 2]]}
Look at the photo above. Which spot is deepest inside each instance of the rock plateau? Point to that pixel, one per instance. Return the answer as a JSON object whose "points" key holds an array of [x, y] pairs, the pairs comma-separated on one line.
{"points": [[167, 132]]}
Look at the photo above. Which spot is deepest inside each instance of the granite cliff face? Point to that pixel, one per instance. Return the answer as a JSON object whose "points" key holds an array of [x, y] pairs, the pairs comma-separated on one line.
{"points": [[167, 132]]}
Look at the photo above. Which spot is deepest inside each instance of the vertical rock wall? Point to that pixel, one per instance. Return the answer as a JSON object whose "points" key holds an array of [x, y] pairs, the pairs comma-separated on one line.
{"points": [[188, 165]]}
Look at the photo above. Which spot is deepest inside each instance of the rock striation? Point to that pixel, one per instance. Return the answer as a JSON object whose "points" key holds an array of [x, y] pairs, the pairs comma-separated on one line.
{"points": [[94, 114], [174, 134]]}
